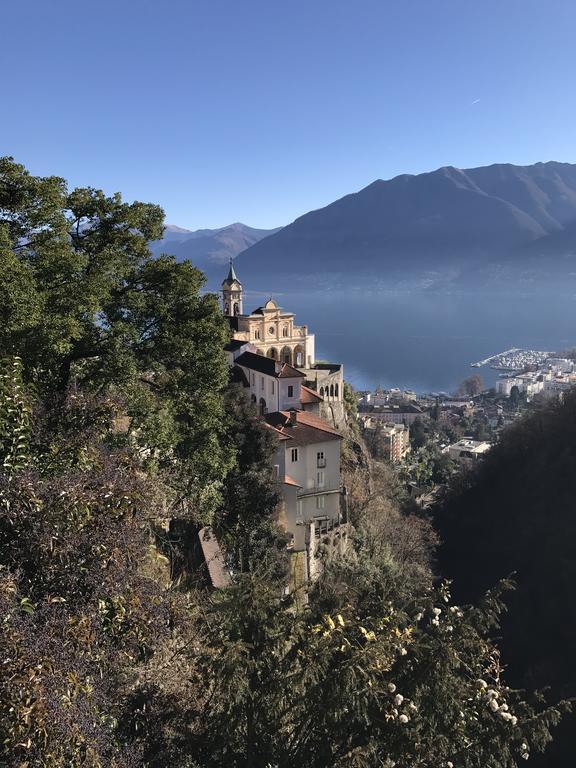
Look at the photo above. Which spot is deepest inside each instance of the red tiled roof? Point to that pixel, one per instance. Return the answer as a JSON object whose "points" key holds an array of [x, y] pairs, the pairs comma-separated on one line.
{"points": [[308, 429], [290, 481], [308, 396]]}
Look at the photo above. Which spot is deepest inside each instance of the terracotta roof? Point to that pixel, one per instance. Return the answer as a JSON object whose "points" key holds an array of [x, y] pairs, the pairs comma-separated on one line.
{"points": [[307, 430], [290, 481], [268, 366], [308, 396]]}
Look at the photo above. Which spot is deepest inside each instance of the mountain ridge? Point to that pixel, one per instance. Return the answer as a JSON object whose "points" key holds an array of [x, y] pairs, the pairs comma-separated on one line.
{"points": [[464, 219], [208, 249]]}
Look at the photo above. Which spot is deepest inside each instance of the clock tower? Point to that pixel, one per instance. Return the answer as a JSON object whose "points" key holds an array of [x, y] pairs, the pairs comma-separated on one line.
{"points": [[232, 294]]}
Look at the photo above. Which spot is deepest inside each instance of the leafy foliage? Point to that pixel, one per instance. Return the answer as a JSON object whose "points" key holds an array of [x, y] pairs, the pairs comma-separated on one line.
{"points": [[370, 682], [86, 305], [80, 616]]}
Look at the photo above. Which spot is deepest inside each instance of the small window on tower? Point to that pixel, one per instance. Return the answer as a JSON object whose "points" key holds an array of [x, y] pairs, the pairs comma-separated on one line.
{"points": [[290, 390], [294, 454]]}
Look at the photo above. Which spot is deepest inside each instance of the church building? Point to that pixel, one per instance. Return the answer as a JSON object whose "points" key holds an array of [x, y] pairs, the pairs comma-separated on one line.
{"points": [[273, 333], [271, 330]]}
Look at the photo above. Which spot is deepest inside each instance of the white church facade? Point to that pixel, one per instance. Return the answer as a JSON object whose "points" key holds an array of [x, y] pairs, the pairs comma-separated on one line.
{"points": [[275, 334]]}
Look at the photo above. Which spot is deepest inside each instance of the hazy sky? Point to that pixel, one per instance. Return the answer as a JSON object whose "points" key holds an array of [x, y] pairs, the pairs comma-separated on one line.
{"points": [[260, 110]]}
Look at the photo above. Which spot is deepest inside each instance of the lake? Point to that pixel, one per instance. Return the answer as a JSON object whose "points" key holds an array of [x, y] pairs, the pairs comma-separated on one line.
{"points": [[425, 341]]}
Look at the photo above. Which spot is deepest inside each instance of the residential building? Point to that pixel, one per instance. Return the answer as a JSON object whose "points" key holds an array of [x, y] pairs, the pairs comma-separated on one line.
{"points": [[468, 450], [308, 466], [405, 413], [395, 440]]}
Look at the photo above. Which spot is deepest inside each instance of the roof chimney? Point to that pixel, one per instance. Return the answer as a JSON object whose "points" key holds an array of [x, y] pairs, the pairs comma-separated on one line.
{"points": [[293, 418]]}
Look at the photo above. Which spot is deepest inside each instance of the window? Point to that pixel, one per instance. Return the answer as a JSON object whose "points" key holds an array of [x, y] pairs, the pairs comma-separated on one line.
{"points": [[271, 330], [320, 502], [285, 331], [320, 460], [290, 390], [299, 509], [273, 387], [294, 454], [257, 334], [253, 375], [262, 383], [320, 478]]}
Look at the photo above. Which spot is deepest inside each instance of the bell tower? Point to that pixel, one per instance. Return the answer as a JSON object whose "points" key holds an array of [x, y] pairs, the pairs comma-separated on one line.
{"points": [[232, 293]]}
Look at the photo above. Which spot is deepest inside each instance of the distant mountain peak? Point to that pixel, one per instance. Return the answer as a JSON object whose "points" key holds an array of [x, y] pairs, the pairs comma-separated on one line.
{"points": [[209, 249]]}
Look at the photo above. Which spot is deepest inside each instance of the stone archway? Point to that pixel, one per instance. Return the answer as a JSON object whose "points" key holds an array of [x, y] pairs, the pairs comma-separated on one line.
{"points": [[272, 353], [299, 357], [263, 408], [286, 355]]}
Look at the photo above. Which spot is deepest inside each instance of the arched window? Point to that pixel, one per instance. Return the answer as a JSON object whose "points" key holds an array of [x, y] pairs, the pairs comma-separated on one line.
{"points": [[253, 398], [226, 308], [263, 408], [273, 353], [257, 333], [285, 331], [236, 308], [286, 355], [321, 391], [331, 390], [299, 356], [336, 390]]}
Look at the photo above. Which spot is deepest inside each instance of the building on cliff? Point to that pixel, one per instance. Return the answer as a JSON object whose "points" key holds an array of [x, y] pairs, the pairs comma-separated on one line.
{"points": [[274, 334], [272, 358]]}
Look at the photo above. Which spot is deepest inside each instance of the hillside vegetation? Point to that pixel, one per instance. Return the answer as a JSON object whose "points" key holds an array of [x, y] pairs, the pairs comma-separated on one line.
{"points": [[120, 437], [516, 515]]}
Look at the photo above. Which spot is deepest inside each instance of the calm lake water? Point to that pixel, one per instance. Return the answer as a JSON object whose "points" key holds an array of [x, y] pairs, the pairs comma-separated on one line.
{"points": [[425, 341]]}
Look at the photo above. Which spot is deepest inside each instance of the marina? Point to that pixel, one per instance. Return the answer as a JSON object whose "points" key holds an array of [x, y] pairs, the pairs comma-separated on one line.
{"points": [[513, 359]]}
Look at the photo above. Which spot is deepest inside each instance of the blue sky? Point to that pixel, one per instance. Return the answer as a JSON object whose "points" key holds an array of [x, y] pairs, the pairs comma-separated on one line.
{"points": [[260, 110]]}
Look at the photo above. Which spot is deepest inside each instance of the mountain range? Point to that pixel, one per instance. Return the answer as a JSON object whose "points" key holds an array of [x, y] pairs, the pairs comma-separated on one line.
{"points": [[209, 249], [450, 224]]}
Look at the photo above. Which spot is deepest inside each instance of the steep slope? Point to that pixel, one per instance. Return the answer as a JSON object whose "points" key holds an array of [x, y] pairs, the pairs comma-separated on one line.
{"points": [[517, 515], [463, 219]]}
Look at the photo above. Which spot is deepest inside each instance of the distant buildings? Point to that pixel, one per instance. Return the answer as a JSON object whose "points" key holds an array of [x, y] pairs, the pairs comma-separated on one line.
{"points": [[404, 413]]}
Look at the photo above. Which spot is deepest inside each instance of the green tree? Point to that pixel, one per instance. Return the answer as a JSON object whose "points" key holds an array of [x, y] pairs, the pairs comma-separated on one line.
{"points": [[85, 305], [246, 520], [515, 396], [373, 681]]}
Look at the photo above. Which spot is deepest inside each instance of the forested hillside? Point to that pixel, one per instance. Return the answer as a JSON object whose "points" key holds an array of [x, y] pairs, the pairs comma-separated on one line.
{"points": [[517, 516], [121, 436]]}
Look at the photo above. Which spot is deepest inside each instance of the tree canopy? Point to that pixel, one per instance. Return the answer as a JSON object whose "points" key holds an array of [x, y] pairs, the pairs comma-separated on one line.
{"points": [[85, 305]]}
